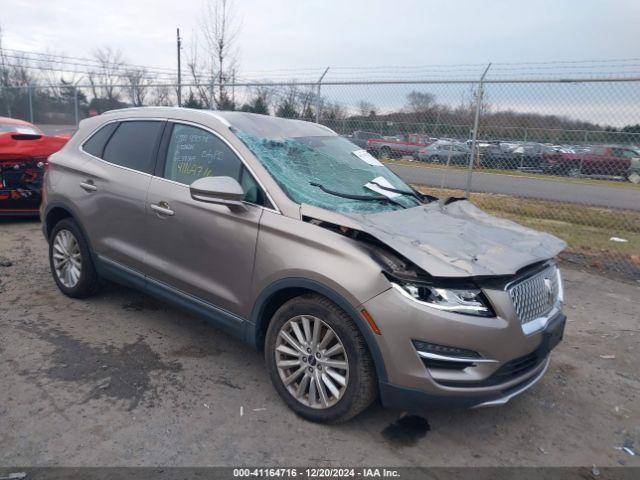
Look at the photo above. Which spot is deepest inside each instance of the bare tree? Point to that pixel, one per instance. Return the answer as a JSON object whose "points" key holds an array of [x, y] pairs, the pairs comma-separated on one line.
{"points": [[162, 96], [468, 102], [108, 74], [334, 111], [14, 72], [59, 83], [202, 81], [5, 79], [366, 109], [4, 73], [138, 81], [420, 102], [307, 100], [220, 29], [288, 103]]}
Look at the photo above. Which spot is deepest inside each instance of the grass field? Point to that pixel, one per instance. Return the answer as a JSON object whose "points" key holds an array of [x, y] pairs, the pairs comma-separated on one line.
{"points": [[587, 230]]}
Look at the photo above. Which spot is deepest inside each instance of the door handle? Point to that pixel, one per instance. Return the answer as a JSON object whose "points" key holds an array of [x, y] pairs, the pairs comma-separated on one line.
{"points": [[162, 208], [88, 186]]}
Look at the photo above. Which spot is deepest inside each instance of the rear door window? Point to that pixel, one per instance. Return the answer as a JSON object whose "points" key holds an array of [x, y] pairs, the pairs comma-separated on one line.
{"points": [[133, 145], [95, 144]]}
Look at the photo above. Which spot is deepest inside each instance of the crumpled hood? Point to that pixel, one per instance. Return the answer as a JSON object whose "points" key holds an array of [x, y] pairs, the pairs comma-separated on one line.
{"points": [[458, 239]]}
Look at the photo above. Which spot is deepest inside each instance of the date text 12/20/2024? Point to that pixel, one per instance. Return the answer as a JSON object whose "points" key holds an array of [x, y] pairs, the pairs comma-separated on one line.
{"points": [[316, 472]]}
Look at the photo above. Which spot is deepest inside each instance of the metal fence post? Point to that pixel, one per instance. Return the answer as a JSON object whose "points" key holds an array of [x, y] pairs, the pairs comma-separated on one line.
{"points": [[76, 113], [318, 100], [435, 128], [30, 93], [476, 121], [211, 95]]}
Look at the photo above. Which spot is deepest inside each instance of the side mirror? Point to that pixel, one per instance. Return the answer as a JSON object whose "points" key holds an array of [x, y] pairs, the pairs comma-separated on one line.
{"points": [[219, 190]]}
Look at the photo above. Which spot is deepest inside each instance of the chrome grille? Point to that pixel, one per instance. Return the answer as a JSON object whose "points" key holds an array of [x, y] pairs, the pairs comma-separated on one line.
{"points": [[535, 296]]}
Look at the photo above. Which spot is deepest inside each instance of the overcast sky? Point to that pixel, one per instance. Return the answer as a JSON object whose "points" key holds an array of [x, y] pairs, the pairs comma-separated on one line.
{"points": [[279, 35], [313, 33]]}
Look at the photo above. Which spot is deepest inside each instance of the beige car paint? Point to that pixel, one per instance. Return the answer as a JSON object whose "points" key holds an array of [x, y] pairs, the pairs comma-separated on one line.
{"points": [[229, 256]]}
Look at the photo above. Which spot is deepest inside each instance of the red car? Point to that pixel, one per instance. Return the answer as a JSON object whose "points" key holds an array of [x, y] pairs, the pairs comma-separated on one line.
{"points": [[24, 150], [404, 144], [597, 160]]}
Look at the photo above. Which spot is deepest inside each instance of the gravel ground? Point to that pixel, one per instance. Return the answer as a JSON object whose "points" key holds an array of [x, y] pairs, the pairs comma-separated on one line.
{"points": [[121, 379]]}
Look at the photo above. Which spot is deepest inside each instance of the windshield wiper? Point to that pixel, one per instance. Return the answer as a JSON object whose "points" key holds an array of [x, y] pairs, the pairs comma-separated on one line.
{"points": [[411, 193], [351, 196]]}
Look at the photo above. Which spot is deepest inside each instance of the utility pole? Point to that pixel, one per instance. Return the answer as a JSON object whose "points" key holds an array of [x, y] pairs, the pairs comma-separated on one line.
{"points": [[179, 40]]}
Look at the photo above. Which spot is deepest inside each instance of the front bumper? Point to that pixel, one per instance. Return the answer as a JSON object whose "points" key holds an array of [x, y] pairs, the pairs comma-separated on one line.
{"points": [[519, 360], [402, 398]]}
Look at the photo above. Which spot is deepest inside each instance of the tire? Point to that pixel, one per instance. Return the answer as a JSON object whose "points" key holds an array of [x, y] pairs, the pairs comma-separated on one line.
{"points": [[360, 388], [85, 282], [570, 170], [385, 152], [574, 171]]}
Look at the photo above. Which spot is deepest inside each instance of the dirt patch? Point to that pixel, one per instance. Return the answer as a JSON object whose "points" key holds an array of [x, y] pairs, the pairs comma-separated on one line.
{"points": [[143, 305], [406, 431], [222, 380], [118, 373], [197, 351]]}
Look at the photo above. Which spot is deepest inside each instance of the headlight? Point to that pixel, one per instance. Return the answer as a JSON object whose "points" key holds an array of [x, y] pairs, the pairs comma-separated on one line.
{"points": [[467, 301]]}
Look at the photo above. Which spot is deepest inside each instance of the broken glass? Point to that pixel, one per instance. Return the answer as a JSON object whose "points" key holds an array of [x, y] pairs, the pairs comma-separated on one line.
{"points": [[331, 161]]}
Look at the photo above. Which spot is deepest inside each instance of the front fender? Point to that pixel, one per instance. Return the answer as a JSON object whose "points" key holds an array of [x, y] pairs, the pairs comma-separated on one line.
{"points": [[258, 320]]}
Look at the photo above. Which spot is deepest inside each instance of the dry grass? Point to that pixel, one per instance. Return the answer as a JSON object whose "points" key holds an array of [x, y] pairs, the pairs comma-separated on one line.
{"points": [[587, 230]]}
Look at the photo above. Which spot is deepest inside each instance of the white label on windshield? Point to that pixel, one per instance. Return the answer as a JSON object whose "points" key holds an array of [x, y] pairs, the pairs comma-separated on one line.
{"points": [[381, 182], [367, 157]]}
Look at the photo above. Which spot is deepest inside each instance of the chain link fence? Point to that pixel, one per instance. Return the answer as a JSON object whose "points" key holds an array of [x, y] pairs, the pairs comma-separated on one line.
{"points": [[556, 154]]}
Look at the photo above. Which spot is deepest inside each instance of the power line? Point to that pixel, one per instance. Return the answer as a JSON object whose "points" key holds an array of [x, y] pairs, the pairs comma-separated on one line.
{"points": [[89, 68], [85, 60], [43, 61]]}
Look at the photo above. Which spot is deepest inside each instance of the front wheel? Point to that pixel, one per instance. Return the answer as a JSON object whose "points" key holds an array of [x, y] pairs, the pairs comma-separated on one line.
{"points": [[318, 360], [385, 152]]}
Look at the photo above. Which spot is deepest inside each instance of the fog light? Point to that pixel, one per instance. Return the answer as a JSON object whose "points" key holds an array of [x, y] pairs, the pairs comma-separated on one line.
{"points": [[444, 350]]}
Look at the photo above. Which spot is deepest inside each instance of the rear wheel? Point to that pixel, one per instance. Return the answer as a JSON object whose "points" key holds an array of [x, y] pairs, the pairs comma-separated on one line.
{"points": [[574, 171], [318, 360], [70, 260], [385, 152], [570, 169]]}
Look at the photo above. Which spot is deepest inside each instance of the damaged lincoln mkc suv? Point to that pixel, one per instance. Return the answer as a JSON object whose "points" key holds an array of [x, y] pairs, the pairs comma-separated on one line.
{"points": [[289, 236]]}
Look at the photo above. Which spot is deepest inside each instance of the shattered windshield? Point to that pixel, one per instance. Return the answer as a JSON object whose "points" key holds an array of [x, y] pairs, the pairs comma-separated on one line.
{"points": [[322, 170]]}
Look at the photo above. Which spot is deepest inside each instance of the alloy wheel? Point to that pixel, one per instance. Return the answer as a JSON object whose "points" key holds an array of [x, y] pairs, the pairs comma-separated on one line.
{"points": [[312, 362], [67, 259]]}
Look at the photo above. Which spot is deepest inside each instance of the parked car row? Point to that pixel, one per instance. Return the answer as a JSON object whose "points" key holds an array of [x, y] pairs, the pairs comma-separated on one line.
{"points": [[617, 161], [572, 160]]}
